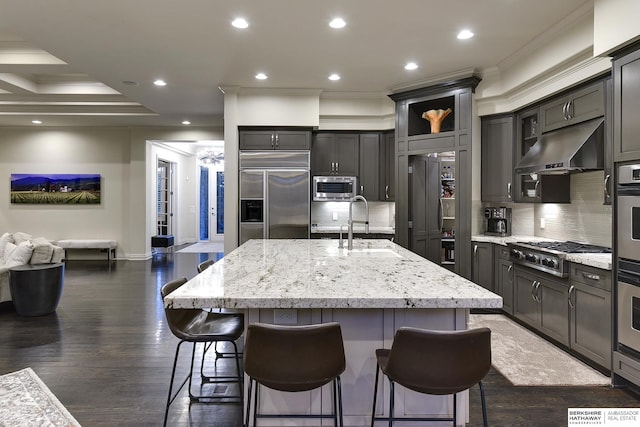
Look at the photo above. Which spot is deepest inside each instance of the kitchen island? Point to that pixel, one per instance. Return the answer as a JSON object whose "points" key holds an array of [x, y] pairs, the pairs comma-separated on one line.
{"points": [[371, 290]]}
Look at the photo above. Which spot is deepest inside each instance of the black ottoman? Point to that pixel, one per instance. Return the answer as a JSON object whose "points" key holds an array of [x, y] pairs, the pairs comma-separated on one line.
{"points": [[36, 289]]}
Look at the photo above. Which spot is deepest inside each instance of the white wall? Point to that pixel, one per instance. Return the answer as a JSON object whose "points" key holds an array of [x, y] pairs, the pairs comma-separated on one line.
{"points": [[87, 151], [123, 158]]}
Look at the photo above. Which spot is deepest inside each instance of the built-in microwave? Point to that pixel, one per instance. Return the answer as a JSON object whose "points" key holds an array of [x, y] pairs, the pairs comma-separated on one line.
{"points": [[334, 188]]}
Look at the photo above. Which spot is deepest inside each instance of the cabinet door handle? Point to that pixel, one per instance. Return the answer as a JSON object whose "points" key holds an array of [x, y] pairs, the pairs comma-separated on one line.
{"points": [[538, 298], [509, 190], [386, 191], [590, 276], [571, 289], [533, 288], [510, 273], [272, 139], [564, 110], [607, 178], [570, 110], [337, 167], [475, 251], [333, 167], [535, 188], [362, 189], [277, 138]]}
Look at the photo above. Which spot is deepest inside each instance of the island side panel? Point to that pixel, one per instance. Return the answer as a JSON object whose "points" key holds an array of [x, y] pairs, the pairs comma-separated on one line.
{"points": [[364, 331]]}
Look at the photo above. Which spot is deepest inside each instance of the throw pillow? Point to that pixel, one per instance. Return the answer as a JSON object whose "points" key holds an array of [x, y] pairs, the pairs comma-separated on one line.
{"points": [[4, 239], [20, 237], [18, 254], [42, 251]]}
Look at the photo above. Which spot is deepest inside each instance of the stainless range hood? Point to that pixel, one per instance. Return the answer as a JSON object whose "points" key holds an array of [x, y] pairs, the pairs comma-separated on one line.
{"points": [[575, 148]]}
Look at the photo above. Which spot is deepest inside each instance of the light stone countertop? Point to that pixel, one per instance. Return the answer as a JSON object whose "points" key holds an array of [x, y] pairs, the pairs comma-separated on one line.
{"points": [[315, 273], [602, 261]]}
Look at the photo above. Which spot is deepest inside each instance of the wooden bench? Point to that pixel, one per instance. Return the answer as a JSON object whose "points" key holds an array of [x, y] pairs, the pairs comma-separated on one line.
{"points": [[77, 244]]}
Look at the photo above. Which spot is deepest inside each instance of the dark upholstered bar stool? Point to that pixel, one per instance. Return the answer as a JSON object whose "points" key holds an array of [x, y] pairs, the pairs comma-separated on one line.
{"points": [[294, 359], [200, 326], [205, 264], [434, 362]]}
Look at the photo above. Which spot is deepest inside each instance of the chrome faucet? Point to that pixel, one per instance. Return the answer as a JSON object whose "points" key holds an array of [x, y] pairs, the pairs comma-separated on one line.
{"points": [[351, 221], [340, 242]]}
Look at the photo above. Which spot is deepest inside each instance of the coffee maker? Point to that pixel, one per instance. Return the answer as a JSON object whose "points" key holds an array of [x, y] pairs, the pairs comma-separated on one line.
{"points": [[498, 221]]}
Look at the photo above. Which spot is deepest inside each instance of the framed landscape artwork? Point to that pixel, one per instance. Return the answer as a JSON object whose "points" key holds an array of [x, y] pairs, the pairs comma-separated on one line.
{"points": [[69, 189]]}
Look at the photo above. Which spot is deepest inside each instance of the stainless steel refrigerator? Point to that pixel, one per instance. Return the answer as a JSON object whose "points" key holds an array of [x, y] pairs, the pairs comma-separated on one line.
{"points": [[274, 195]]}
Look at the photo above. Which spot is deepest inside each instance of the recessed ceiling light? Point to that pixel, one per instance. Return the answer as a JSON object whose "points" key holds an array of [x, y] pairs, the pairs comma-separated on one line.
{"points": [[465, 34], [411, 66], [159, 82], [261, 76], [36, 122], [130, 83], [240, 23], [186, 122], [334, 77], [337, 23]]}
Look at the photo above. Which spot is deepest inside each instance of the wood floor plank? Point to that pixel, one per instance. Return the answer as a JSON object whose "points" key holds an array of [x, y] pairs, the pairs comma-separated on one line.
{"points": [[107, 355]]}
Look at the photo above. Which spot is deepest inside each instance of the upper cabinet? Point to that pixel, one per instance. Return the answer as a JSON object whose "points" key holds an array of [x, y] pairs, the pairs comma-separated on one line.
{"points": [[527, 133], [388, 167], [497, 158], [369, 176], [575, 107], [626, 104], [335, 154], [274, 139]]}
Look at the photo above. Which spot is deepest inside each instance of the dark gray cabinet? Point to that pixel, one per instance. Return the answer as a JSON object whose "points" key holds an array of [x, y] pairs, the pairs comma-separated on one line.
{"points": [[527, 133], [497, 158], [574, 107], [274, 139], [335, 154], [503, 277], [608, 142], [388, 167], [483, 265], [626, 104], [541, 301], [369, 176], [591, 313]]}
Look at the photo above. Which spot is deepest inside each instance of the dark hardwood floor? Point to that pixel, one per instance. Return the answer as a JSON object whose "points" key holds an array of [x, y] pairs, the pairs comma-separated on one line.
{"points": [[107, 355]]}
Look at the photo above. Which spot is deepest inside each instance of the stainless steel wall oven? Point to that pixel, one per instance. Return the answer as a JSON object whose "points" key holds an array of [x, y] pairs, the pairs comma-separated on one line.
{"points": [[628, 250]]}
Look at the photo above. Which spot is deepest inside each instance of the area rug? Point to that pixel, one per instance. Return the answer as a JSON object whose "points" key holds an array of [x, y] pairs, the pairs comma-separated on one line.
{"points": [[525, 359], [204, 247], [26, 401]]}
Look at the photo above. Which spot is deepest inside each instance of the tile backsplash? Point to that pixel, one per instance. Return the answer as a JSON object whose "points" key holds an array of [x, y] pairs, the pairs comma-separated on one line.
{"points": [[381, 214], [585, 219]]}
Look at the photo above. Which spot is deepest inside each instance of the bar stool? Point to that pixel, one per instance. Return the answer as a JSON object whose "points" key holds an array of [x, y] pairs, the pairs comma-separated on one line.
{"points": [[294, 359], [200, 326], [434, 362], [205, 264]]}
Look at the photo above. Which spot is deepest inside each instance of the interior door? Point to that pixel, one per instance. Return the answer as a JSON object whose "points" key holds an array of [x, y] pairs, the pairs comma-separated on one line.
{"points": [[211, 218], [425, 209]]}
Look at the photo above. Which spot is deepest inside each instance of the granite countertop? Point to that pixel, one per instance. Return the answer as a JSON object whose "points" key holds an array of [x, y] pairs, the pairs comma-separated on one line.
{"points": [[315, 273], [602, 261]]}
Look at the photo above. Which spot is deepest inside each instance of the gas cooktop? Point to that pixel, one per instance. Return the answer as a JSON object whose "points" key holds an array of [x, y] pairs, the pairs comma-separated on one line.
{"points": [[550, 257], [568, 247]]}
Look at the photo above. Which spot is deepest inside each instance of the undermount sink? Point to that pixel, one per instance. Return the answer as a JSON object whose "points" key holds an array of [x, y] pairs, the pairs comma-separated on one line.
{"points": [[374, 253]]}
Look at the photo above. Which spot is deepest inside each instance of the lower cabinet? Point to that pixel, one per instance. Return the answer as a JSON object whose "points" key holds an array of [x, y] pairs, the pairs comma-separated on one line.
{"points": [[482, 257], [542, 303], [503, 271], [591, 313]]}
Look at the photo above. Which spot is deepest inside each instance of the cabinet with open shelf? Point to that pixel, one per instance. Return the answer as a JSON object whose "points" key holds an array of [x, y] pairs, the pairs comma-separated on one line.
{"points": [[447, 210]]}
